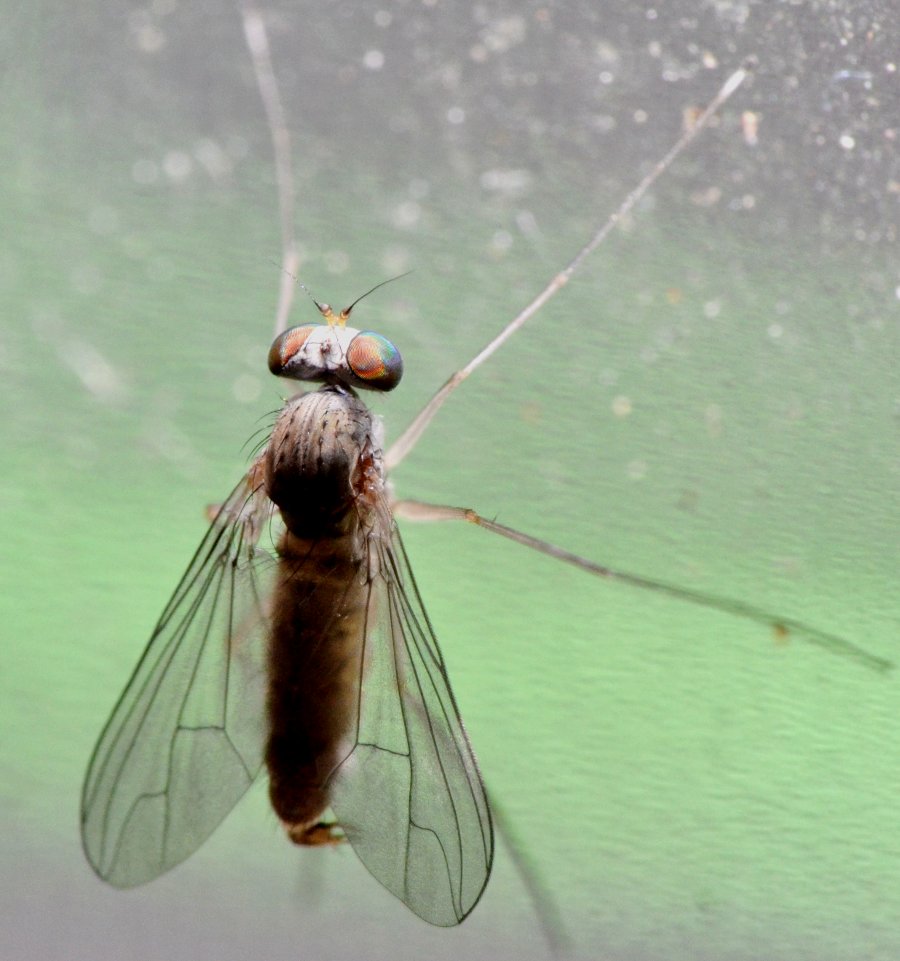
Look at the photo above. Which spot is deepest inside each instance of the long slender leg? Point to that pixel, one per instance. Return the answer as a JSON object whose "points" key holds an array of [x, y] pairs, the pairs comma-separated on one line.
{"points": [[258, 45], [781, 626], [410, 437]]}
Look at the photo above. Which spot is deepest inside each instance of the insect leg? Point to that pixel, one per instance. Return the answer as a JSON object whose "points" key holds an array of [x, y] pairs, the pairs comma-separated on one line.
{"points": [[410, 437], [314, 835], [258, 45], [782, 627]]}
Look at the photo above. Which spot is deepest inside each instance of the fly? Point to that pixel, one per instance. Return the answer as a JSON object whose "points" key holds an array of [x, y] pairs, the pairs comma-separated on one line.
{"points": [[318, 663], [315, 659]]}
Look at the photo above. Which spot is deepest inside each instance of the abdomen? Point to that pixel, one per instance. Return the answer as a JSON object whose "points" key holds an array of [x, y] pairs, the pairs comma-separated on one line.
{"points": [[322, 470], [315, 673]]}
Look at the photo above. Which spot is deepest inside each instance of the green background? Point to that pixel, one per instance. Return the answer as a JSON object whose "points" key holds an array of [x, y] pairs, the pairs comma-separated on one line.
{"points": [[712, 401]]}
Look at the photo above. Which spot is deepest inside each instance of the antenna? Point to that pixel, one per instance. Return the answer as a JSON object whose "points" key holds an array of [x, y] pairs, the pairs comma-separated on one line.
{"points": [[340, 319], [345, 313]]}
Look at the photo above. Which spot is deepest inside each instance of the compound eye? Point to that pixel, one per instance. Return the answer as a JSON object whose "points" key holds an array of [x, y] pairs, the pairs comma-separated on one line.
{"points": [[285, 347], [374, 361]]}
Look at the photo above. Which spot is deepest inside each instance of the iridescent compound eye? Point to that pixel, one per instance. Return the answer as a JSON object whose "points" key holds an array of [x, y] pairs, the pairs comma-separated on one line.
{"points": [[374, 361], [286, 345]]}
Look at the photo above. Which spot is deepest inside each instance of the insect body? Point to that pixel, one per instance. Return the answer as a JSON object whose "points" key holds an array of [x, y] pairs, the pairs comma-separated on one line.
{"points": [[320, 664]]}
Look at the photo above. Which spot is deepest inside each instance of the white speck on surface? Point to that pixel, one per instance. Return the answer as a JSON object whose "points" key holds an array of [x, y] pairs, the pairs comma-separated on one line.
{"points": [[636, 469], [373, 59], [406, 214], [621, 406], [177, 165]]}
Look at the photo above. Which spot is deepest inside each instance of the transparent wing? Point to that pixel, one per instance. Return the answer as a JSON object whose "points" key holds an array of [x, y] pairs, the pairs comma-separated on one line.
{"points": [[409, 796], [185, 740]]}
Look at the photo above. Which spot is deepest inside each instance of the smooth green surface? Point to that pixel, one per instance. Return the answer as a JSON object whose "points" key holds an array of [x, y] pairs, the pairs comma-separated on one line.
{"points": [[712, 401]]}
